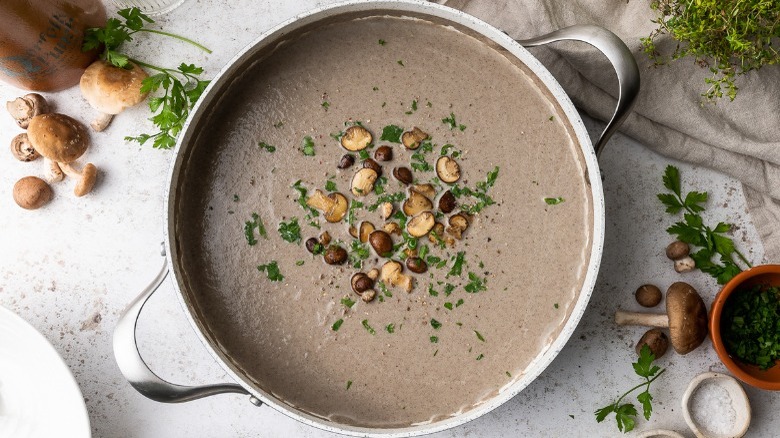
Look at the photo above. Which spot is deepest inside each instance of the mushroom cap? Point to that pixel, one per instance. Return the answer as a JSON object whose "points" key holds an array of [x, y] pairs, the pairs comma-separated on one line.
{"points": [[32, 192], [111, 89], [58, 137], [687, 317]]}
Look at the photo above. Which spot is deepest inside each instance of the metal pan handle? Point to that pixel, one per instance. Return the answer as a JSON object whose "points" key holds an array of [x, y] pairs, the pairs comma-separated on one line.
{"points": [[619, 56], [138, 374]]}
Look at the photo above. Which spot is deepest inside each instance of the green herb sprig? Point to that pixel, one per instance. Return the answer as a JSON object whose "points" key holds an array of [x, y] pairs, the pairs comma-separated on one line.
{"points": [[730, 37], [626, 413], [693, 231], [182, 85]]}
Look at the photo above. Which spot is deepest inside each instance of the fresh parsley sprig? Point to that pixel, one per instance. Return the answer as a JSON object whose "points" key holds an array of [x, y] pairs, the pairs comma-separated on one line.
{"points": [[626, 413], [693, 231], [182, 85]]}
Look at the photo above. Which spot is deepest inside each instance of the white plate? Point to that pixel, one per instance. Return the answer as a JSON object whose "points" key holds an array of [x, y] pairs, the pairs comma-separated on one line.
{"points": [[38, 395]]}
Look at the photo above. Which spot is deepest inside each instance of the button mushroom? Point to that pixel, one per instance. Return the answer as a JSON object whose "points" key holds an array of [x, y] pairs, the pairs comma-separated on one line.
{"points": [[381, 242], [363, 181], [686, 317], [679, 252], [392, 274], [356, 138], [383, 153], [648, 295], [31, 193], [86, 178], [111, 90], [366, 228], [656, 340], [458, 224], [421, 224], [333, 206], [448, 170], [412, 139], [22, 149], [416, 203], [58, 137], [447, 202], [361, 283], [403, 174], [24, 108]]}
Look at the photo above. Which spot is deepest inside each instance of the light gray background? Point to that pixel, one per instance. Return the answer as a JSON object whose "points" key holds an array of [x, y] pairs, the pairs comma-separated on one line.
{"points": [[70, 268]]}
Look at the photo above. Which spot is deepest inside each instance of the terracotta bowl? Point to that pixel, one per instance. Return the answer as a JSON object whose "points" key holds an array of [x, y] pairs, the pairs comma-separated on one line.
{"points": [[750, 374]]}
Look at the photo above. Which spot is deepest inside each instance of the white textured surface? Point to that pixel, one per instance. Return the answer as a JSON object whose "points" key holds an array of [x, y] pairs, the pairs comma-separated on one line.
{"points": [[70, 268]]}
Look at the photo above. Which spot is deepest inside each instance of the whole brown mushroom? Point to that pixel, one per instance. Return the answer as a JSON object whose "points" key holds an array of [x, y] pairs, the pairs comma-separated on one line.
{"points": [[648, 295], [58, 137], [111, 90], [32, 193], [656, 340], [686, 317], [22, 149]]}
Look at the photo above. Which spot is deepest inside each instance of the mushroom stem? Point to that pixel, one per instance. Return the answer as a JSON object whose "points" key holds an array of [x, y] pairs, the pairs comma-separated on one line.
{"points": [[101, 122], [86, 178], [52, 171], [645, 319]]}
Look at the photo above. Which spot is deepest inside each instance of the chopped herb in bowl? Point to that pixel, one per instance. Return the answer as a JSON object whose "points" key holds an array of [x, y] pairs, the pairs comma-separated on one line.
{"points": [[750, 325]]}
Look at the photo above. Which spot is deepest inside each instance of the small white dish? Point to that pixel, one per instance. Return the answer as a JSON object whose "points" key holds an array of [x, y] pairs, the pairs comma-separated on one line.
{"points": [[659, 433], [715, 406], [39, 397]]}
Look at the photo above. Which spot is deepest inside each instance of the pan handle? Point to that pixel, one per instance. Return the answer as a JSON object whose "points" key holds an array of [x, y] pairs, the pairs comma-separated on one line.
{"points": [[138, 374], [619, 56]]}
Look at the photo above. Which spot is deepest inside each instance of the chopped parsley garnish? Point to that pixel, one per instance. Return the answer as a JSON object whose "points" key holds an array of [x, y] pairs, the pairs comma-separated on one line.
{"points": [[450, 121], [390, 328], [459, 303], [419, 163], [326, 105], [236, 198], [551, 118], [349, 384], [751, 325], [475, 284], [434, 340], [347, 302], [368, 327], [375, 88], [445, 150], [266, 146], [290, 231], [479, 336], [336, 135], [555, 305], [392, 133], [299, 263], [358, 253], [249, 227], [392, 198], [278, 124], [554, 201], [308, 146], [311, 213], [480, 356], [432, 292], [272, 270], [448, 305], [401, 63], [364, 155], [448, 288], [480, 194], [435, 324], [330, 186], [379, 185], [457, 266], [353, 205], [382, 42], [336, 325], [383, 289]]}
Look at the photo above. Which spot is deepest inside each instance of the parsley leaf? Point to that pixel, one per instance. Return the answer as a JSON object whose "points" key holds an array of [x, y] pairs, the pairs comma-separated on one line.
{"points": [[336, 325], [625, 413], [391, 133], [450, 121], [272, 270], [554, 201], [266, 146], [249, 227], [368, 327], [290, 231], [692, 230], [475, 284], [457, 266], [435, 324], [308, 146]]}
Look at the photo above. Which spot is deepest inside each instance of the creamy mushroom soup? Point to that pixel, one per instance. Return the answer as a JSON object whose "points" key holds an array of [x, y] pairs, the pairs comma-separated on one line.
{"points": [[489, 303]]}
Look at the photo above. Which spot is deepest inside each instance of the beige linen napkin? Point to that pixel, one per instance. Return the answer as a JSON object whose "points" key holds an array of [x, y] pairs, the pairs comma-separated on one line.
{"points": [[739, 138]]}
